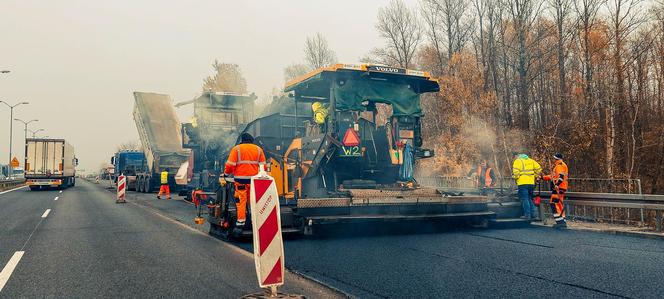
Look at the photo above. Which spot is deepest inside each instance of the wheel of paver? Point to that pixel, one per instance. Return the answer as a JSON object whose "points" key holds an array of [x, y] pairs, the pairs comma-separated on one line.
{"points": [[220, 232]]}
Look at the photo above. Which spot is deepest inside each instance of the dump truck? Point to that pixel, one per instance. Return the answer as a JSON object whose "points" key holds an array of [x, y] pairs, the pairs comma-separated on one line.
{"points": [[218, 119], [159, 131], [129, 163], [358, 164], [49, 163]]}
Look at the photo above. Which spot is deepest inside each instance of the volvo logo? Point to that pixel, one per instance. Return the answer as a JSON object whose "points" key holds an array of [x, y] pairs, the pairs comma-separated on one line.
{"points": [[386, 69]]}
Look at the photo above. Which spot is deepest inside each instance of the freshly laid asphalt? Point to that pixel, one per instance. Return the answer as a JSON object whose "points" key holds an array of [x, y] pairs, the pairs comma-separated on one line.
{"points": [[90, 247], [423, 260]]}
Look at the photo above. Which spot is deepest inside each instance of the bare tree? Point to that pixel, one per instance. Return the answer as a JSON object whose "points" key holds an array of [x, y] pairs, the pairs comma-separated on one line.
{"points": [[524, 13], [586, 11], [432, 15], [295, 70], [317, 52], [130, 145], [400, 26], [624, 18], [228, 77], [561, 10]]}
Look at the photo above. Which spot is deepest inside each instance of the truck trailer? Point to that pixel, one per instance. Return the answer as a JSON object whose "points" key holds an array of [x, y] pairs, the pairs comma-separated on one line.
{"points": [[49, 163], [159, 131]]}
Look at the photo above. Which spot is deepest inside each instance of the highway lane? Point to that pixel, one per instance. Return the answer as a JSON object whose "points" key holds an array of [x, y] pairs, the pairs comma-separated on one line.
{"points": [[423, 260], [20, 212], [89, 247]]}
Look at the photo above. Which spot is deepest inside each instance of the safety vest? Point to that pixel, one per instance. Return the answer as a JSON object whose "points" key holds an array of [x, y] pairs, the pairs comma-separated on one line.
{"points": [[319, 115], [559, 175], [525, 170], [243, 161], [487, 176], [164, 177]]}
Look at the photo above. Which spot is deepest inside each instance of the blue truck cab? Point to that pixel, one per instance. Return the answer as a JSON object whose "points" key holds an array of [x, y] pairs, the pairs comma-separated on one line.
{"points": [[129, 163]]}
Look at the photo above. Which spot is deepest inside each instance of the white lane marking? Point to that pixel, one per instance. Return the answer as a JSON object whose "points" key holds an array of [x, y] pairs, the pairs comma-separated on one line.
{"points": [[9, 268], [56, 198], [60, 191], [10, 190], [46, 213]]}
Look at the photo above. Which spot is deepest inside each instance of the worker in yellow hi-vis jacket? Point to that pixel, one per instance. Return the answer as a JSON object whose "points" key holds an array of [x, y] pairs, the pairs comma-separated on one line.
{"points": [[524, 171], [164, 189]]}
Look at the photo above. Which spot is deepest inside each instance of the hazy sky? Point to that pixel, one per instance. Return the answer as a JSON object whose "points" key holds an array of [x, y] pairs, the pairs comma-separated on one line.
{"points": [[78, 62]]}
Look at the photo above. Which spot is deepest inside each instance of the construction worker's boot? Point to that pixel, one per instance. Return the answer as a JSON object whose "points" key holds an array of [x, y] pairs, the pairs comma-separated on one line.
{"points": [[560, 225], [239, 226], [158, 197]]}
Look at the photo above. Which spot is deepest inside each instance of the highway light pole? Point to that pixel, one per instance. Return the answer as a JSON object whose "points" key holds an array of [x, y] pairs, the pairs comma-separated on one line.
{"points": [[25, 130], [11, 130]]}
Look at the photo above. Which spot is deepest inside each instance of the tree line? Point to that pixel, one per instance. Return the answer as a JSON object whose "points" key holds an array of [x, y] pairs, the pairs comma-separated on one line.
{"points": [[580, 77]]}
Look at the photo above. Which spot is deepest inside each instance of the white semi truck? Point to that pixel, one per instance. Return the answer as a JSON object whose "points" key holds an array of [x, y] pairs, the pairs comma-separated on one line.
{"points": [[49, 163]]}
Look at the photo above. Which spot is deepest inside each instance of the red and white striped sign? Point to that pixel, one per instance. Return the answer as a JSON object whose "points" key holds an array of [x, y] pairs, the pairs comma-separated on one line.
{"points": [[266, 219], [122, 186]]}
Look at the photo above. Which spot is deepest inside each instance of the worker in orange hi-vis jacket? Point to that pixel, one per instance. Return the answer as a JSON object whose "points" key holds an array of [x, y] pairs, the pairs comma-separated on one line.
{"points": [[243, 163], [558, 179]]}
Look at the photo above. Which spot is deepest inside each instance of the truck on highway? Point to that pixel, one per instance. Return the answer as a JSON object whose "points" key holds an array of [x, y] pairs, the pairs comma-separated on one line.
{"points": [[159, 131], [129, 163], [49, 163]]}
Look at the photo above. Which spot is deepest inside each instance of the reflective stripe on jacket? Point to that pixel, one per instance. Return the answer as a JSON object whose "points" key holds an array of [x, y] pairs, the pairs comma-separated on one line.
{"points": [[164, 177], [243, 160], [525, 170], [487, 176], [559, 175]]}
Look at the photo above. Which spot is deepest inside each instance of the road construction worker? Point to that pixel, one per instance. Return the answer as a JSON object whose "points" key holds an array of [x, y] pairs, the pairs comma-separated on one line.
{"points": [[558, 178], [164, 189], [524, 171], [243, 163], [320, 112], [484, 176]]}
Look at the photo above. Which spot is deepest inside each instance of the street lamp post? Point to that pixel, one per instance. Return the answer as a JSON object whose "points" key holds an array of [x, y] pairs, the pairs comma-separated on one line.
{"points": [[25, 130], [11, 130]]}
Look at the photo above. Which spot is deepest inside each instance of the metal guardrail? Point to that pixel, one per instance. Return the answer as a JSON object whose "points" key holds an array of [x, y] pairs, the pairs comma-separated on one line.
{"points": [[8, 184], [599, 185], [593, 199], [631, 209]]}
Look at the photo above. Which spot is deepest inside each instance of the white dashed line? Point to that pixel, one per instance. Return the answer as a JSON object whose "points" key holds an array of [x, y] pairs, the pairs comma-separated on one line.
{"points": [[9, 268], [56, 198], [46, 213], [60, 191]]}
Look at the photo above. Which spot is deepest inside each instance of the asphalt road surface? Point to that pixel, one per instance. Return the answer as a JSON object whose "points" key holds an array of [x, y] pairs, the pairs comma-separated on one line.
{"points": [[421, 260], [87, 246]]}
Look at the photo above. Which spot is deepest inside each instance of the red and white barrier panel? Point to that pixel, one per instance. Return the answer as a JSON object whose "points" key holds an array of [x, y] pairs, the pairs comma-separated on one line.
{"points": [[268, 242], [122, 186]]}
